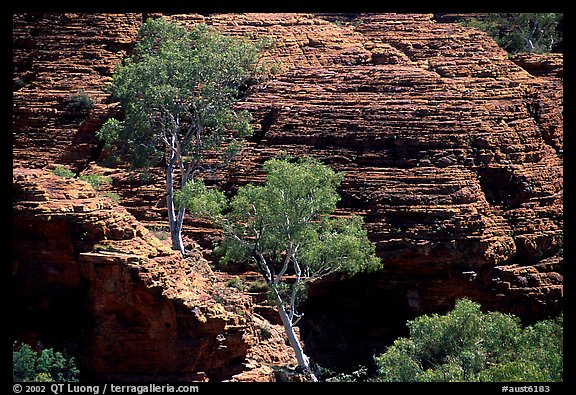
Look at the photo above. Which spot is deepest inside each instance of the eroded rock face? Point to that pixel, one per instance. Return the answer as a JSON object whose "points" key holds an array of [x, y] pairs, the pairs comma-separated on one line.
{"points": [[452, 152], [89, 277], [55, 58]]}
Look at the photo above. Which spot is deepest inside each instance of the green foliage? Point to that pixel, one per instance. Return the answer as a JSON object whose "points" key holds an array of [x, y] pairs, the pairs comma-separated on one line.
{"points": [[338, 245], [80, 103], [178, 90], [181, 83], [293, 196], [285, 225], [96, 180], [291, 208], [45, 365], [257, 286], [200, 200], [112, 196], [236, 282], [63, 172], [284, 228], [285, 290], [358, 375], [110, 131], [522, 32], [468, 345]]}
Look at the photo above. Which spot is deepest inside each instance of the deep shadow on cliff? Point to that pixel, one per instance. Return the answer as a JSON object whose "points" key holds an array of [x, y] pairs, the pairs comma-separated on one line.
{"points": [[452, 152]]}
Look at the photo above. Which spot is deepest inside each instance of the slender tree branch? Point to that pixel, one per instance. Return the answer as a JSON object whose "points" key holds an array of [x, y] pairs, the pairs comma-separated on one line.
{"points": [[266, 269], [289, 255], [298, 318], [295, 286]]}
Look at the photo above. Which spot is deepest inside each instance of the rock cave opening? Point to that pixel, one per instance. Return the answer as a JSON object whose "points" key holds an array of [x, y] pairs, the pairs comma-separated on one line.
{"points": [[504, 188], [49, 296], [57, 319], [349, 321]]}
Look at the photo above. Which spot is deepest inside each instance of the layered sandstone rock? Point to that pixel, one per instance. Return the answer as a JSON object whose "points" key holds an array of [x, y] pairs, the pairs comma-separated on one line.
{"points": [[453, 154], [87, 274], [451, 151], [541, 65], [56, 57]]}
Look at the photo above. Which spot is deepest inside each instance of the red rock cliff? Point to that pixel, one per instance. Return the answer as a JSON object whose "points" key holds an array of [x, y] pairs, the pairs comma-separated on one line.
{"points": [[451, 150], [88, 277]]}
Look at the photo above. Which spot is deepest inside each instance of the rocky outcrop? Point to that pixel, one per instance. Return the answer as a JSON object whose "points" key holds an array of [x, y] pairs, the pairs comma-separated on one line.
{"points": [[546, 94], [541, 65], [88, 277], [452, 152]]}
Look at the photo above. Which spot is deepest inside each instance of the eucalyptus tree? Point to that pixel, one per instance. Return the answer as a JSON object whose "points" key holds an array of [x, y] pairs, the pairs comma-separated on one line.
{"points": [[178, 90], [285, 229], [467, 344], [522, 32]]}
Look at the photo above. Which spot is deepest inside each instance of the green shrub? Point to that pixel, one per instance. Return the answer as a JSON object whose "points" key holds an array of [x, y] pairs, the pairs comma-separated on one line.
{"points": [[43, 365], [80, 103], [468, 345], [112, 196], [63, 172], [257, 286], [358, 375], [96, 180], [236, 282]]}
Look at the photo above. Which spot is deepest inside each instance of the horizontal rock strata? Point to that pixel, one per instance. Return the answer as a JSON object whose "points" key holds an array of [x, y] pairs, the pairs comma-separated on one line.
{"points": [[56, 57], [451, 151]]}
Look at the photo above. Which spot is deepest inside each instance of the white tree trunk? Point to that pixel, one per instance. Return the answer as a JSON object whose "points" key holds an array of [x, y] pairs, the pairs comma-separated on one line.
{"points": [[302, 358], [175, 220]]}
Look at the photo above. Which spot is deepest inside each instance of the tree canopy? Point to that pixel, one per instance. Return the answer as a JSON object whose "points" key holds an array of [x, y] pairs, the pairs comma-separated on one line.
{"points": [[178, 90], [288, 216], [522, 32], [469, 345], [42, 365], [181, 84], [285, 228]]}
